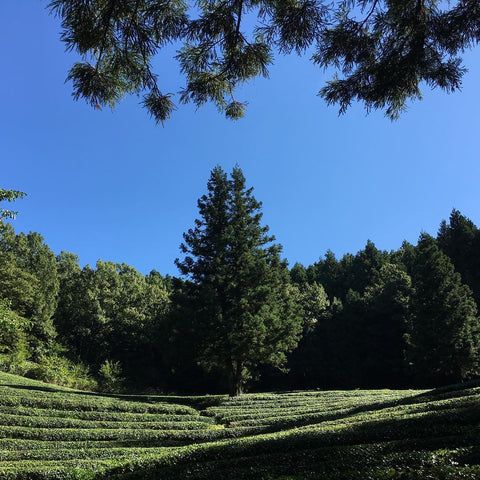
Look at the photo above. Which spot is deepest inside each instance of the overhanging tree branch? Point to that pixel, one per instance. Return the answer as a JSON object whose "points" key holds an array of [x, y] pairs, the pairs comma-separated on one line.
{"points": [[383, 67]]}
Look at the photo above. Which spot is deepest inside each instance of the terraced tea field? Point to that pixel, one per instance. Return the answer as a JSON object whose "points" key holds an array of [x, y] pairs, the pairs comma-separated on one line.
{"points": [[49, 432]]}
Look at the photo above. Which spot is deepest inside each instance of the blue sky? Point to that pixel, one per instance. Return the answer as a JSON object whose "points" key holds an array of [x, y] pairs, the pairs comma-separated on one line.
{"points": [[114, 186]]}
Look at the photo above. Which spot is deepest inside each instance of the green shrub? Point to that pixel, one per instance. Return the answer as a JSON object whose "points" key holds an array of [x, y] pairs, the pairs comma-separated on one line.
{"points": [[16, 360], [54, 433], [109, 377], [59, 370]]}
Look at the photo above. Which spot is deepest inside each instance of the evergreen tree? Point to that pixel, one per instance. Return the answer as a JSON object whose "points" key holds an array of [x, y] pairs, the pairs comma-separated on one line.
{"points": [[366, 267], [443, 334], [460, 240], [298, 274], [327, 272], [387, 304], [243, 313]]}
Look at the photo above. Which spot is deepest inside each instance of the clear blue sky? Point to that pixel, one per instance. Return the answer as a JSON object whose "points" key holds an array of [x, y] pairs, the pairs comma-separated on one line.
{"points": [[115, 186]]}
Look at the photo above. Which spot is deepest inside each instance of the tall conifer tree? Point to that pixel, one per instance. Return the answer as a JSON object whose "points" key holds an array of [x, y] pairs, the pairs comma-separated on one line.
{"points": [[243, 314]]}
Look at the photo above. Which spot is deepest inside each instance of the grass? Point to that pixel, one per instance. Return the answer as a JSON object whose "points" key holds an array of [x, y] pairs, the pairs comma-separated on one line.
{"points": [[49, 432]]}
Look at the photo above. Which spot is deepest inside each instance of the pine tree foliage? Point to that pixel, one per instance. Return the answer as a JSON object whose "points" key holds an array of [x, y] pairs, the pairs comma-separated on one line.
{"points": [[387, 52], [117, 40], [443, 337], [244, 313], [382, 50], [460, 240]]}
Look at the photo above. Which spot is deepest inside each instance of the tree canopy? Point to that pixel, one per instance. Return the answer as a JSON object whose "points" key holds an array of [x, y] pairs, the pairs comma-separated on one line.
{"points": [[372, 319], [381, 50]]}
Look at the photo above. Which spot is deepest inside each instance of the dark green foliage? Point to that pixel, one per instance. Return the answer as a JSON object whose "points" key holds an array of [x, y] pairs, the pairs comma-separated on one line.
{"points": [[298, 274], [352, 272], [313, 302], [329, 273], [241, 310], [387, 314], [385, 55], [358, 341], [365, 267], [160, 106], [110, 377], [117, 40], [443, 337], [460, 240], [383, 49]]}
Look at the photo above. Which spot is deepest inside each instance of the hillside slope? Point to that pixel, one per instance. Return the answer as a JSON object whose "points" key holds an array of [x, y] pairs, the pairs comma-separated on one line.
{"points": [[48, 432]]}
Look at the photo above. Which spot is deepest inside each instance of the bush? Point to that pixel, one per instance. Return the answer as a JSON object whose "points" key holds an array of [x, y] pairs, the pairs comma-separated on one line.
{"points": [[59, 370], [110, 379]]}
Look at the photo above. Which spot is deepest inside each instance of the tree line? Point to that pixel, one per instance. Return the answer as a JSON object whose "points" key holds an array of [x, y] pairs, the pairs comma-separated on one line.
{"points": [[238, 317]]}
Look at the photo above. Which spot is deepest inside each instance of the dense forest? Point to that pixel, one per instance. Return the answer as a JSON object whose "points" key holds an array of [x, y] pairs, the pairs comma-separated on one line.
{"points": [[403, 318]]}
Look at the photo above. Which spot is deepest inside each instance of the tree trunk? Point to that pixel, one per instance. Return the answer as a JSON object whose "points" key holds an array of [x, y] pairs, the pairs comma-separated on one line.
{"points": [[236, 379]]}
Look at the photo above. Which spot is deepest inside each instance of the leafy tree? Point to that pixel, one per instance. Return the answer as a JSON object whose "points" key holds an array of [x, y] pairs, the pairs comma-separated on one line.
{"points": [[314, 302], [443, 334], [404, 257], [308, 367], [383, 49], [110, 377], [365, 338], [78, 318], [13, 328], [112, 313], [322, 359], [243, 313], [359, 341], [29, 280], [181, 345], [69, 294], [9, 196]]}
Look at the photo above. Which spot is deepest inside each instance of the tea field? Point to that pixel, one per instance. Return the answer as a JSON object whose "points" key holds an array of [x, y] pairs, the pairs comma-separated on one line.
{"points": [[49, 432]]}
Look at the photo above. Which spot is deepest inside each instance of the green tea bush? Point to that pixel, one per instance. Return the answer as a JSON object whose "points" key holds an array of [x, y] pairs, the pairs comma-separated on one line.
{"points": [[49, 432]]}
